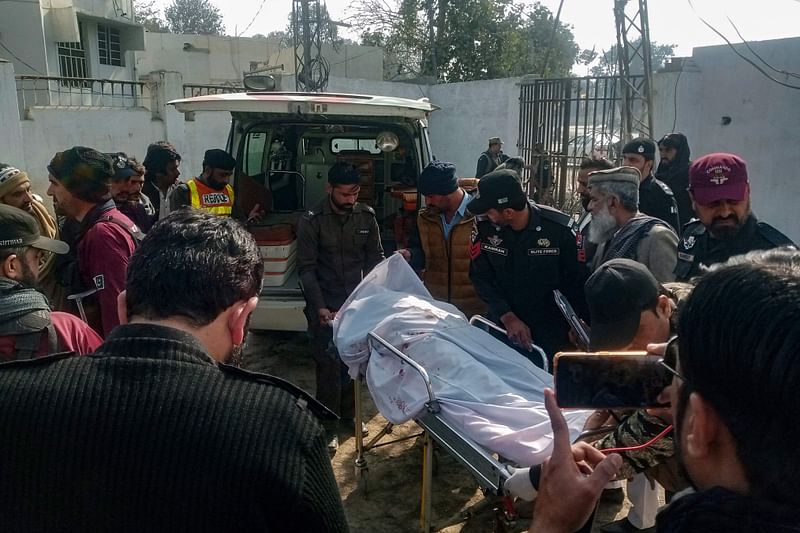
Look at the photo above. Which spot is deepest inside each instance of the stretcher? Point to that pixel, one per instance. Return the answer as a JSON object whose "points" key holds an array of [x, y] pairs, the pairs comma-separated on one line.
{"points": [[482, 464], [471, 395]]}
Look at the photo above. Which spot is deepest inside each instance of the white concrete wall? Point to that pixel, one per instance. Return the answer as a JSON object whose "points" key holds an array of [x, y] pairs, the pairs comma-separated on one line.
{"points": [[222, 59], [51, 130], [765, 120], [21, 31], [470, 114], [11, 140]]}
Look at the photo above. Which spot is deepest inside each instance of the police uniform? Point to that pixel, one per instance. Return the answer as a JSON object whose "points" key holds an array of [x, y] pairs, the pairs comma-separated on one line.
{"points": [[518, 270], [697, 247], [334, 251], [656, 199], [488, 161]]}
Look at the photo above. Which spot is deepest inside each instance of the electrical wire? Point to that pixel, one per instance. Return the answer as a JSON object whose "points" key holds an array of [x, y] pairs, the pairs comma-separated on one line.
{"points": [[258, 12], [743, 57], [675, 99], [641, 446], [15, 56], [747, 44]]}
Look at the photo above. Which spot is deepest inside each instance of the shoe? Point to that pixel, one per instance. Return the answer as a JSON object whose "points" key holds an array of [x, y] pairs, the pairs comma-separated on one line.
{"points": [[348, 425], [616, 495], [624, 526], [333, 445]]}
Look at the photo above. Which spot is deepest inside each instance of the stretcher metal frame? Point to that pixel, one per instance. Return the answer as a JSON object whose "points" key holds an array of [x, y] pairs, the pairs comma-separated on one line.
{"points": [[488, 472]]}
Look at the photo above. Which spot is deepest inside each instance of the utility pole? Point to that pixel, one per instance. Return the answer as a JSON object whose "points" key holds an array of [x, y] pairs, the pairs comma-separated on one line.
{"points": [[633, 46], [310, 68]]}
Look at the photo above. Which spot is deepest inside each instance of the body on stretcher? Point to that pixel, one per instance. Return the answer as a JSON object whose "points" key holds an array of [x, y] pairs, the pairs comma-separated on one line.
{"points": [[488, 471], [472, 394]]}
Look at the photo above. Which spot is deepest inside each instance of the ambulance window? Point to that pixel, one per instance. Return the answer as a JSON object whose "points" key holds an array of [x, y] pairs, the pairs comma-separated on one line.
{"points": [[255, 152], [354, 145]]}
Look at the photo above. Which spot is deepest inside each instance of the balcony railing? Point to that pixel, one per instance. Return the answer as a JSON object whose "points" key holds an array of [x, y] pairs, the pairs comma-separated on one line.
{"points": [[194, 89], [80, 92]]}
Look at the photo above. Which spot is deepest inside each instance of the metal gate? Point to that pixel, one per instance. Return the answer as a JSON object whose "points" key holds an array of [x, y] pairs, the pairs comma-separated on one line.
{"points": [[561, 122]]}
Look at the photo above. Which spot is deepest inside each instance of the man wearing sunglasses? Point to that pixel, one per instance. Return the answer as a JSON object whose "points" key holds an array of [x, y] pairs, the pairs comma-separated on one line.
{"points": [[734, 404]]}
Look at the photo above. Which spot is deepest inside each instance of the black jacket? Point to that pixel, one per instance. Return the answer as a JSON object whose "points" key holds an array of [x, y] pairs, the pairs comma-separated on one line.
{"points": [[697, 247], [720, 510], [334, 252], [150, 434], [518, 270], [656, 199], [676, 175]]}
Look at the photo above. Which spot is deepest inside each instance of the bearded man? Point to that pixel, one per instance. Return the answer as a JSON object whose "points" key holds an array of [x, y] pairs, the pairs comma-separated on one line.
{"points": [[621, 231]]}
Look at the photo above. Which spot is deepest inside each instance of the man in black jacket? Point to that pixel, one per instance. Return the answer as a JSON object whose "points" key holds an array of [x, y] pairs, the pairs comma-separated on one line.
{"points": [[726, 225], [520, 252], [673, 169], [155, 432], [655, 197], [734, 404]]}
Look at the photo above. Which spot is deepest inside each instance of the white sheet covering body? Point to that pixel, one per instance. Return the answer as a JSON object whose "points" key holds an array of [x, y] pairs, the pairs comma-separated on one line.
{"points": [[485, 389]]}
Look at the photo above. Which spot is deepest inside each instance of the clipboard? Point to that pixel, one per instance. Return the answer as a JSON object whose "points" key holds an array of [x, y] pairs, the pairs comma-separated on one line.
{"points": [[571, 317]]}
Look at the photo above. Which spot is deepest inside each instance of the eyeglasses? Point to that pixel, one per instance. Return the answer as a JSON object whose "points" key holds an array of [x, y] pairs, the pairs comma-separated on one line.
{"points": [[670, 359]]}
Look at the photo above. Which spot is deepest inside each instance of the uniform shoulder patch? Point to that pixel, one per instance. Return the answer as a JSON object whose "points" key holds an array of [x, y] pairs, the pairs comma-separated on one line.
{"points": [[694, 227], [773, 235], [554, 215], [663, 186]]}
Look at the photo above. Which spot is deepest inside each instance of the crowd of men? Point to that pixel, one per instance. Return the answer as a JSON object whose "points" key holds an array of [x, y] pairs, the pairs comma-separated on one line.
{"points": [[142, 396]]}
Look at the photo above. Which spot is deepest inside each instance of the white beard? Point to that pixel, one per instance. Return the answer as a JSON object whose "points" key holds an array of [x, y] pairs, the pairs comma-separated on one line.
{"points": [[602, 227]]}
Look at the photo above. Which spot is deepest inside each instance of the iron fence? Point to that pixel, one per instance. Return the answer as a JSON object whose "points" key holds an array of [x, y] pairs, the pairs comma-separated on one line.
{"points": [[194, 89], [562, 121], [80, 92]]}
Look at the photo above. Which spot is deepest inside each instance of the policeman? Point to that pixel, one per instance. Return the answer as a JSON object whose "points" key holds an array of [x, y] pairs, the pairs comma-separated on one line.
{"points": [[337, 243], [521, 252], [211, 191], [491, 158], [655, 196], [720, 191]]}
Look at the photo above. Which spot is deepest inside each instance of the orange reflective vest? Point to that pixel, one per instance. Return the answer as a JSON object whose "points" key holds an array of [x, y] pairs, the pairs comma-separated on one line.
{"points": [[201, 196]]}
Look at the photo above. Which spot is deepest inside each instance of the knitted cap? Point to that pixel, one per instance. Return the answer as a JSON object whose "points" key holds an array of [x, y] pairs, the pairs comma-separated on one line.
{"points": [[11, 178]]}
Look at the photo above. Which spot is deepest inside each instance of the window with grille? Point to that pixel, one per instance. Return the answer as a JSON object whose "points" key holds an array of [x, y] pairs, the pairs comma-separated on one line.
{"points": [[108, 46], [72, 62]]}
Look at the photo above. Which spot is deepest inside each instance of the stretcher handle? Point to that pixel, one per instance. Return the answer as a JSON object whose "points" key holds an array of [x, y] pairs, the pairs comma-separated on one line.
{"points": [[413, 364], [489, 323]]}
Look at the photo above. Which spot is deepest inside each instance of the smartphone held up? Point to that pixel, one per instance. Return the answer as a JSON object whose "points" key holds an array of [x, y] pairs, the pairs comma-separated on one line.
{"points": [[609, 380]]}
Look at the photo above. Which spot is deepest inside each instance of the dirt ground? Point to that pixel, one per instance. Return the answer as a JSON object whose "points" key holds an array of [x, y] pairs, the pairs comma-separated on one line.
{"points": [[393, 480]]}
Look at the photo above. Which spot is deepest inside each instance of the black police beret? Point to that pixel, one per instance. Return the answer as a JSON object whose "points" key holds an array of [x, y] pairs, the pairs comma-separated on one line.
{"points": [[343, 174], [216, 158]]}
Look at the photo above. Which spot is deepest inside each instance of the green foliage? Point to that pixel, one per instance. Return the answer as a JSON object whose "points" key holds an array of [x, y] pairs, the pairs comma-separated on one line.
{"points": [[149, 16], [607, 63], [474, 39], [194, 16]]}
